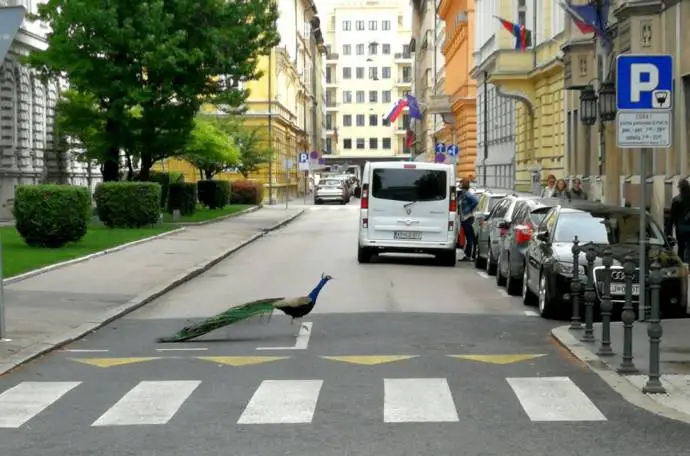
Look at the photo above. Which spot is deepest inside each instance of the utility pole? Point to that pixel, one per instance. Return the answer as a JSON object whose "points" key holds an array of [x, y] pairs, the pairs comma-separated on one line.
{"points": [[485, 102], [270, 129]]}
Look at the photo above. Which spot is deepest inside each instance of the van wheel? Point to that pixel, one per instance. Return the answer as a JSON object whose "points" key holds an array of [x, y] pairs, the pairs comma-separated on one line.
{"points": [[363, 255], [448, 258]]}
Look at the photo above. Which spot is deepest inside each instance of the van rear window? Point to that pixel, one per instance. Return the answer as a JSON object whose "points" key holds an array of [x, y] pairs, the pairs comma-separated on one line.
{"points": [[409, 184]]}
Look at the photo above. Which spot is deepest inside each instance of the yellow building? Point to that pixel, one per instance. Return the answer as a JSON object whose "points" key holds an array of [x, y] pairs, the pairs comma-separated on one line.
{"points": [[534, 79]]}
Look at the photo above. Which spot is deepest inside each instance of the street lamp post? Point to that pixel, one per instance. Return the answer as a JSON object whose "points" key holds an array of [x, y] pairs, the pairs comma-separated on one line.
{"points": [[593, 107]]}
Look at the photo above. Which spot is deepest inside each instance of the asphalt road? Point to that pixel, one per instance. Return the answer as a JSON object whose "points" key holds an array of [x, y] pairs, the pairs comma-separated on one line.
{"points": [[399, 358]]}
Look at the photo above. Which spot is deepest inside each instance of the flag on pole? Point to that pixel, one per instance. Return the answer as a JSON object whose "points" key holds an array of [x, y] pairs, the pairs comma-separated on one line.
{"points": [[523, 37], [395, 112], [414, 111], [589, 18], [409, 140]]}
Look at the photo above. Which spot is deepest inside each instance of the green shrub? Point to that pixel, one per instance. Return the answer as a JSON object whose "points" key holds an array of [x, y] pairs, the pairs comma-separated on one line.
{"points": [[128, 204], [51, 215], [164, 179], [182, 196], [246, 192], [214, 194]]}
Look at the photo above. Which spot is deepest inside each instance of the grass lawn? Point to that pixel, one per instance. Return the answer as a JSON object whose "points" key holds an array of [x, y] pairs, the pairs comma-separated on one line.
{"points": [[19, 257], [203, 214]]}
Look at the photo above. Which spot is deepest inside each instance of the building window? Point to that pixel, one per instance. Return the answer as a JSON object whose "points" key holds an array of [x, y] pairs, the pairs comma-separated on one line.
{"points": [[360, 25], [360, 72], [405, 122], [360, 120], [372, 25], [360, 143], [347, 49], [360, 96], [386, 72], [385, 25], [329, 121], [372, 48], [347, 143], [522, 12], [373, 96], [386, 143], [347, 96], [347, 73], [373, 143], [360, 49], [329, 75], [347, 25], [373, 120], [373, 73], [386, 96], [406, 50], [386, 49], [347, 120], [329, 146]]}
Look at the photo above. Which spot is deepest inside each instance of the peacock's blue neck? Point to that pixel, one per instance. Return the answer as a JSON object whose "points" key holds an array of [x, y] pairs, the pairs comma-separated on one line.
{"points": [[317, 289]]}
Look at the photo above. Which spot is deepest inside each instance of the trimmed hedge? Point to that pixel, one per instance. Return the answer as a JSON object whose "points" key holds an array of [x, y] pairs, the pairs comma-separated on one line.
{"points": [[51, 215], [246, 192], [214, 194], [128, 204], [182, 196], [164, 179]]}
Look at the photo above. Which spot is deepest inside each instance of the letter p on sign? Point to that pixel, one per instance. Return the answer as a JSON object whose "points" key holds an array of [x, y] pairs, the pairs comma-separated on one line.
{"points": [[638, 84]]}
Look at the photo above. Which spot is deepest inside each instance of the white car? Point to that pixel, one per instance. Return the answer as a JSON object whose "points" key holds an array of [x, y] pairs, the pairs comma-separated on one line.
{"points": [[408, 207]]}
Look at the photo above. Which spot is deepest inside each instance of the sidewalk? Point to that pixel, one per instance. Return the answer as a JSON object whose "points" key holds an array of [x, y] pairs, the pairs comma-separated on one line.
{"points": [[674, 366], [64, 304]]}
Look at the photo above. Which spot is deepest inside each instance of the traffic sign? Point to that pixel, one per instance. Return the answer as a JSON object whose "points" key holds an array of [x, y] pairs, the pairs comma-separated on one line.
{"points": [[303, 157], [440, 157], [644, 82], [440, 148], [453, 150], [638, 129]]}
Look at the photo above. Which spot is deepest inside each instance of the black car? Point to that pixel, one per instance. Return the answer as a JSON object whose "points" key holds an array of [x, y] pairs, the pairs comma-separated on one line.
{"points": [[549, 258]]}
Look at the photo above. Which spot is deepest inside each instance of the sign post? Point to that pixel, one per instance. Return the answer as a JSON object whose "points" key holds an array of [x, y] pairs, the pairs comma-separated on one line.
{"points": [[644, 99], [440, 149], [453, 153], [303, 161]]}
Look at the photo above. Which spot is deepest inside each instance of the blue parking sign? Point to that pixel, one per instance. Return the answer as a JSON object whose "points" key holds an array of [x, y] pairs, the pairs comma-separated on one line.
{"points": [[644, 82]]}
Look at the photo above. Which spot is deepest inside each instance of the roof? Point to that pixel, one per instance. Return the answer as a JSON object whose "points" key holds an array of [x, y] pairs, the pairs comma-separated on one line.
{"points": [[593, 206]]}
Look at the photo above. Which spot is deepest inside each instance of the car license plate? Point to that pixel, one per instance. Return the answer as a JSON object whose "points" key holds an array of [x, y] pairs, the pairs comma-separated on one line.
{"points": [[619, 289], [414, 235]]}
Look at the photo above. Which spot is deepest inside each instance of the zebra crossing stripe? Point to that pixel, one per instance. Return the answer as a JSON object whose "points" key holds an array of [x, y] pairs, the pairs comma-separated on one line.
{"points": [[24, 401], [554, 399], [148, 403], [282, 402], [418, 400]]}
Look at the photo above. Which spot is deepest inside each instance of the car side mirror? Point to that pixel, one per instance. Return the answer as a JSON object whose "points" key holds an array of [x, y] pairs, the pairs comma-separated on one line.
{"points": [[504, 225], [485, 215], [542, 236], [671, 241]]}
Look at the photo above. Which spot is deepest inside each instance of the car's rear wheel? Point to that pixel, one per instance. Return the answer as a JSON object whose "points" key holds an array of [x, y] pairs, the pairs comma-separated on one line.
{"points": [[527, 295], [512, 283]]}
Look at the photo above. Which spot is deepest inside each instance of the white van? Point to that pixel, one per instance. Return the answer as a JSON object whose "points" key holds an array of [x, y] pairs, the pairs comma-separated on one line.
{"points": [[408, 207]]}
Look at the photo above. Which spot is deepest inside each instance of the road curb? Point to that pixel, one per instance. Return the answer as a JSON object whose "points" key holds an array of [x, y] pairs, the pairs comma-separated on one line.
{"points": [[616, 381], [43, 347], [117, 248], [220, 219]]}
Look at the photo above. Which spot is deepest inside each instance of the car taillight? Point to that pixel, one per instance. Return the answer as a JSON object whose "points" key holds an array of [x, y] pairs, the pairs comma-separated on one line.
{"points": [[523, 233], [364, 201], [365, 223], [450, 225], [453, 205]]}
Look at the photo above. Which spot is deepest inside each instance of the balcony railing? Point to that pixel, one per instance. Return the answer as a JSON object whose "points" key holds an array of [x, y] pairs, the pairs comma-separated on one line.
{"points": [[332, 56], [404, 80], [403, 55], [331, 81]]}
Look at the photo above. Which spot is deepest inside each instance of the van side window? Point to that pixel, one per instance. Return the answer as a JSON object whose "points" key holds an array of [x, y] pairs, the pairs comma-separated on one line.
{"points": [[409, 184]]}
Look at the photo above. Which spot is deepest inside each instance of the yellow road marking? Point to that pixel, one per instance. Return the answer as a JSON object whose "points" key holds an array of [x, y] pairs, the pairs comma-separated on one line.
{"points": [[369, 360], [241, 360], [110, 362], [497, 359]]}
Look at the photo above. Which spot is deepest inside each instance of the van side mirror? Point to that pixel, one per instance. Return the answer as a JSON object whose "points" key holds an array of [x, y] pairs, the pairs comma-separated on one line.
{"points": [[542, 236]]}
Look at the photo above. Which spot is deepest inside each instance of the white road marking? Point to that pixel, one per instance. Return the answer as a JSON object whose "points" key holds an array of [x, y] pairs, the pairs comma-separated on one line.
{"points": [[302, 341], [181, 349], [148, 403], [78, 350], [26, 400], [483, 275], [418, 400], [530, 313], [282, 402], [554, 399]]}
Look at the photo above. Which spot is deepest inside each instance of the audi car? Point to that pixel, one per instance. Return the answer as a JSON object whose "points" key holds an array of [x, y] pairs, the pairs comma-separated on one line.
{"points": [[549, 263]]}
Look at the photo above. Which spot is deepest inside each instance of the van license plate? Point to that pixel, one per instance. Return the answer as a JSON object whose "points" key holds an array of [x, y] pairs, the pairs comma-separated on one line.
{"points": [[415, 235], [619, 289]]}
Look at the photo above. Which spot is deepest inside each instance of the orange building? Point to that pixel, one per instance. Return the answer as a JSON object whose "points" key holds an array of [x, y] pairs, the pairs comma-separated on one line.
{"points": [[460, 87]]}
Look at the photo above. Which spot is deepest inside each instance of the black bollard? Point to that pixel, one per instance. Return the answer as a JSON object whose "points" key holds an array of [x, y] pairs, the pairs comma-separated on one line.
{"points": [[606, 306], [576, 286], [628, 316], [654, 331], [590, 296]]}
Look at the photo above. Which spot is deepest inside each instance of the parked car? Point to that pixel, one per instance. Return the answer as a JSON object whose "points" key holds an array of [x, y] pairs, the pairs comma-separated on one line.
{"points": [[487, 201], [331, 189], [408, 207], [549, 259]]}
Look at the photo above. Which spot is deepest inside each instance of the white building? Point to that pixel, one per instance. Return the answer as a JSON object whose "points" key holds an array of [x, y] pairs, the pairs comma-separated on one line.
{"points": [[27, 142], [368, 68]]}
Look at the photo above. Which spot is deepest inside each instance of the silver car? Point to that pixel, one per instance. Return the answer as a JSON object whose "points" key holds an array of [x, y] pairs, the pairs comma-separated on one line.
{"points": [[331, 189]]}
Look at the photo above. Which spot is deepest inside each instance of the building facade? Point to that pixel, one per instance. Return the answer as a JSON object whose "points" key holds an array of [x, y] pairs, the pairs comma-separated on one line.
{"points": [[368, 68], [423, 49], [532, 127], [30, 152]]}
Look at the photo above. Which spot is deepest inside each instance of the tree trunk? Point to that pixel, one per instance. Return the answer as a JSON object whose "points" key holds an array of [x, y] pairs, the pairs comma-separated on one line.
{"points": [[111, 161], [209, 174], [146, 164]]}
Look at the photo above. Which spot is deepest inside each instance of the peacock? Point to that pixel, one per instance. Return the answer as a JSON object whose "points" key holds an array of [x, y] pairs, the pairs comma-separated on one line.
{"points": [[296, 308]]}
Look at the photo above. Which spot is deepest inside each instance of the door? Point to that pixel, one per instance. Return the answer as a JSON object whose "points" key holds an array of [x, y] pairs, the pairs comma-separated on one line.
{"points": [[496, 218], [409, 204]]}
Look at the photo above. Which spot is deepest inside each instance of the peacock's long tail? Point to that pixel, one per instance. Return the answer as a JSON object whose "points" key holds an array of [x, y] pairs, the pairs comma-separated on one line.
{"points": [[233, 315]]}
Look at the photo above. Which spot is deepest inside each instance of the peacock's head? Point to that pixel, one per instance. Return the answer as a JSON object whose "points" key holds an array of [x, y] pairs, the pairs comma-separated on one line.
{"points": [[326, 277]]}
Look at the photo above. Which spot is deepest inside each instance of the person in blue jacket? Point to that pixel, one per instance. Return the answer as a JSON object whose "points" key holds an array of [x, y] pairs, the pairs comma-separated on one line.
{"points": [[468, 201]]}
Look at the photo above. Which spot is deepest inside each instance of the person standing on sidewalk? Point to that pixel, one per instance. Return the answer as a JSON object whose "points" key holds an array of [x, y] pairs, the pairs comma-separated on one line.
{"points": [[576, 190], [548, 191], [680, 219], [468, 203]]}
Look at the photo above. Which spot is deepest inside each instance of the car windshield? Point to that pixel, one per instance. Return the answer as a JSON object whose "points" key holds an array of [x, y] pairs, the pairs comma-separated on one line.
{"points": [[493, 201], [409, 184], [606, 228]]}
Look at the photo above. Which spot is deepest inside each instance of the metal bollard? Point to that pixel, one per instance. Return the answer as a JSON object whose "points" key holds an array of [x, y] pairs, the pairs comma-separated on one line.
{"points": [[606, 306], [628, 316], [576, 286], [590, 296], [654, 331]]}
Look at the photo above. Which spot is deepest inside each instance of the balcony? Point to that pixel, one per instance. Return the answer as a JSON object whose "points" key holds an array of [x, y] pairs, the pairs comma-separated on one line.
{"points": [[403, 57], [332, 57], [331, 105], [404, 82]]}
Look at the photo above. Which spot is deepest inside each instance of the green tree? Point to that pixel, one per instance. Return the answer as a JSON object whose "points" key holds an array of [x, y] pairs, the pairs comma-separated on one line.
{"points": [[210, 149], [161, 56]]}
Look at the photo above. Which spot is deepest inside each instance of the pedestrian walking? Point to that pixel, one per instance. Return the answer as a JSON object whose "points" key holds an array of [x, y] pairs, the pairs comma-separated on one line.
{"points": [[576, 190], [680, 219], [468, 203], [547, 192], [560, 190]]}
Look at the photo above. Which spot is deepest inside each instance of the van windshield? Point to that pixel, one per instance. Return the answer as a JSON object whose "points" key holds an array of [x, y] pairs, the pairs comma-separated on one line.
{"points": [[409, 184]]}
